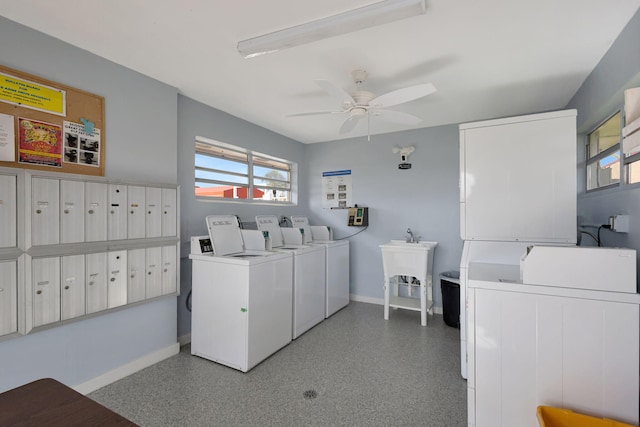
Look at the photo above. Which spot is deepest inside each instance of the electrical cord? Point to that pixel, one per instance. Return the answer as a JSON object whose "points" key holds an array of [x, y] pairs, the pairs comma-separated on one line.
{"points": [[346, 237], [187, 302], [607, 226], [593, 236]]}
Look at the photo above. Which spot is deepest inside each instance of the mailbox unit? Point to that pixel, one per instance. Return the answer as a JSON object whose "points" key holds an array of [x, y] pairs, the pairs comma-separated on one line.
{"points": [[73, 246]]}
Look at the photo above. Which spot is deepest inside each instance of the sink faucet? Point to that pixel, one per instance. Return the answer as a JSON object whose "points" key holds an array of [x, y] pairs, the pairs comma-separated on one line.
{"points": [[410, 237]]}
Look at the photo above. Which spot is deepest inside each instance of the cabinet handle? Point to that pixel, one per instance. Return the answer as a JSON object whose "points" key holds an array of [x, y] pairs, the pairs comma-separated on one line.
{"points": [[113, 279], [165, 212], [38, 211], [112, 211], [149, 212], [133, 275], [66, 287], [66, 211], [149, 273], [165, 270], [38, 292], [132, 212], [90, 283], [90, 211]]}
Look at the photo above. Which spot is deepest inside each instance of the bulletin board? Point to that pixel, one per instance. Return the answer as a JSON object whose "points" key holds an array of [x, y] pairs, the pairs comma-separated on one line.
{"points": [[49, 126]]}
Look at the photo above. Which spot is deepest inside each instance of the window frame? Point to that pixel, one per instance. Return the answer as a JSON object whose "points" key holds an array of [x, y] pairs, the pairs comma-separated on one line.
{"points": [[238, 154], [604, 154]]}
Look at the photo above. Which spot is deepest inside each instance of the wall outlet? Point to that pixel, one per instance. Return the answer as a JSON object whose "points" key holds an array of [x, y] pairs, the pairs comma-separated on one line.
{"points": [[619, 223]]}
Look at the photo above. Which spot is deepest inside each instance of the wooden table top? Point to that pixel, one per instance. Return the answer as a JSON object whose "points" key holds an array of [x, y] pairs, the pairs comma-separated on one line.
{"points": [[47, 402]]}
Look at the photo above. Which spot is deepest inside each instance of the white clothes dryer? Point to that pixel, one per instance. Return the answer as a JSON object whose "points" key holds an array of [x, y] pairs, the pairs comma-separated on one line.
{"points": [[309, 273], [336, 260], [241, 299]]}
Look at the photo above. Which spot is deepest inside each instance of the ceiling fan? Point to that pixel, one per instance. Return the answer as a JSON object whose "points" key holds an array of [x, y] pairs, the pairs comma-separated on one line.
{"points": [[361, 103]]}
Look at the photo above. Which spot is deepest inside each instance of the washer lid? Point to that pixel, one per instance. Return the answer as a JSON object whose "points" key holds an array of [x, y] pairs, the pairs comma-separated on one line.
{"points": [[303, 223], [225, 235]]}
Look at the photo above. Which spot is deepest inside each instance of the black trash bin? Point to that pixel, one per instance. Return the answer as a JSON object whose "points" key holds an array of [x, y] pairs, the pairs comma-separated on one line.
{"points": [[450, 286]]}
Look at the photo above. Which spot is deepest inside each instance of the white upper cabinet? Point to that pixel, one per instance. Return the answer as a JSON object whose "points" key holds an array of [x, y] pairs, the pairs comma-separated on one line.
{"points": [[153, 222], [95, 211], [45, 211], [71, 211], [117, 215], [8, 211], [169, 212], [136, 212]]}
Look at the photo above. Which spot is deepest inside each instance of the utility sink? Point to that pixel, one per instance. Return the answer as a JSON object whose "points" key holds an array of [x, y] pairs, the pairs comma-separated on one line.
{"points": [[406, 258], [402, 258]]}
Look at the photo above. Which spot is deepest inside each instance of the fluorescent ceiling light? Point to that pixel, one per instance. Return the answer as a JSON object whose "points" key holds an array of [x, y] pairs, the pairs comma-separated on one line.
{"points": [[343, 23]]}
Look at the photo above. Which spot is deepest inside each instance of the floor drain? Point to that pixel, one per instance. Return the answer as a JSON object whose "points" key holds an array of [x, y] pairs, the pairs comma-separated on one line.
{"points": [[310, 394]]}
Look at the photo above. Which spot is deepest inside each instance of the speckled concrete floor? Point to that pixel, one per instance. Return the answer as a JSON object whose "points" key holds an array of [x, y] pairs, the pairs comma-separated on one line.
{"points": [[365, 371]]}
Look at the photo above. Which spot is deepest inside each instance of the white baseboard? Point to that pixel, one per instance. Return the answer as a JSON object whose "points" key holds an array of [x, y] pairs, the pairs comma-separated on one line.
{"points": [[380, 301], [128, 369], [184, 339]]}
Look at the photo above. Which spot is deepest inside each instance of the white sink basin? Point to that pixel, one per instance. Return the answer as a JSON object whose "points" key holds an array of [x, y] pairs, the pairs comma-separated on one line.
{"points": [[407, 259]]}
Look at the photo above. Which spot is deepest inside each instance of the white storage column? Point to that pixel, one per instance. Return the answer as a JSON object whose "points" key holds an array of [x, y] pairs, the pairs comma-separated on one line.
{"points": [[72, 211], [117, 216], [169, 279], [8, 211], [95, 211], [136, 279], [8, 297], [45, 211], [96, 271], [136, 212], [153, 220], [117, 276], [154, 272], [73, 286], [45, 288]]}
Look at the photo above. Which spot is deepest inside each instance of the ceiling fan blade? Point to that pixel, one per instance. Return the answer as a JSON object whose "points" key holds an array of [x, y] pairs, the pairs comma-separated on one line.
{"points": [[314, 113], [350, 123], [397, 117], [403, 95], [336, 92]]}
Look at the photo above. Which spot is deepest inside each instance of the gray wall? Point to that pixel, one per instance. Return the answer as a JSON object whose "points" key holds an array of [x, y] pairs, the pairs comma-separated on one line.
{"points": [[197, 119], [140, 144], [600, 96], [424, 198]]}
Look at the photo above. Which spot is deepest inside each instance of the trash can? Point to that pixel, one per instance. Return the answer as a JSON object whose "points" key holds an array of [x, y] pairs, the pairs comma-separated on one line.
{"points": [[450, 287], [549, 416]]}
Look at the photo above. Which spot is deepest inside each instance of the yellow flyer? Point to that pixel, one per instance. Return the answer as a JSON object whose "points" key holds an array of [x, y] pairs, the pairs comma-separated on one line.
{"points": [[35, 96]]}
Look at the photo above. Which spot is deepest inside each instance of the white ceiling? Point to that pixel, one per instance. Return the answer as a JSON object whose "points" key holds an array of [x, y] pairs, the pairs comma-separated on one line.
{"points": [[488, 58]]}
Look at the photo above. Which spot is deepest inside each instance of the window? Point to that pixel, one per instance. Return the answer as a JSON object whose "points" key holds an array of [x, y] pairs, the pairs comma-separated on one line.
{"points": [[603, 154], [224, 171]]}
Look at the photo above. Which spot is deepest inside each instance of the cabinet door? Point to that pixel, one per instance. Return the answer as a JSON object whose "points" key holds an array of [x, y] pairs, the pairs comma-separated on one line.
{"points": [[136, 280], [117, 284], [96, 268], [169, 280], [45, 211], [46, 290], [117, 217], [169, 212], [73, 286], [154, 272], [136, 212], [72, 211], [154, 212], [8, 298], [96, 211], [8, 209]]}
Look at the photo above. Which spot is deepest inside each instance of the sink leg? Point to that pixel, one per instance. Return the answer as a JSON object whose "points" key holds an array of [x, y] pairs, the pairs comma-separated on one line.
{"points": [[386, 298], [423, 303]]}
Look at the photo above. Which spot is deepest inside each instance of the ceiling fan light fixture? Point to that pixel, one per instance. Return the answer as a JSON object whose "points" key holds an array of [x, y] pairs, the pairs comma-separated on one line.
{"points": [[372, 15]]}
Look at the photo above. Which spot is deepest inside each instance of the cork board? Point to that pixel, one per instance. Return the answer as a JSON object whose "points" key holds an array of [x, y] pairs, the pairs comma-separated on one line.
{"points": [[55, 127]]}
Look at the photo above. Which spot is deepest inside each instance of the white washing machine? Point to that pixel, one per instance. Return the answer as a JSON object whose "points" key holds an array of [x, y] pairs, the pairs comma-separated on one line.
{"points": [[241, 299], [308, 273], [336, 260]]}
